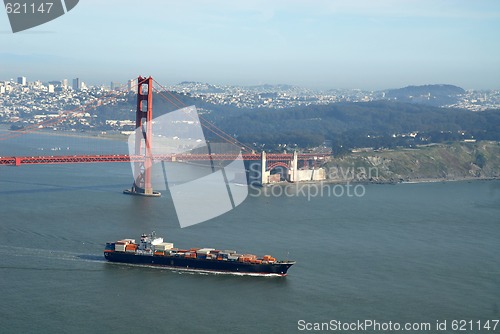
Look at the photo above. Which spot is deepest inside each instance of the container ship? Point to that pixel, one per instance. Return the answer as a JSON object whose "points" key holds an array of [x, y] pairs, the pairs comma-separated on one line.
{"points": [[153, 251]]}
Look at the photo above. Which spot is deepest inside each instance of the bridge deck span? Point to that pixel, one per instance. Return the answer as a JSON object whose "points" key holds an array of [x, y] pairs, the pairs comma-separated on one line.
{"points": [[77, 159]]}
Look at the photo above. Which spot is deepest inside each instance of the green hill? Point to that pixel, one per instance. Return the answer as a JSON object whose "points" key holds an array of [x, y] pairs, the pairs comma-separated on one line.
{"points": [[455, 161]]}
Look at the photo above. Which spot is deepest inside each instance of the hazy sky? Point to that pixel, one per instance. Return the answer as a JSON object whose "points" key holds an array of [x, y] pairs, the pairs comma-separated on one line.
{"points": [[367, 44]]}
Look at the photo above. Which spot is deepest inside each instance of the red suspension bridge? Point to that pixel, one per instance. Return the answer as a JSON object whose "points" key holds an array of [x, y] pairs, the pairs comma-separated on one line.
{"points": [[78, 159], [143, 157]]}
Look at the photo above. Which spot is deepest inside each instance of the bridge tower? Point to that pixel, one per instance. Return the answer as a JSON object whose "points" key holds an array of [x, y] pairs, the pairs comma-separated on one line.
{"points": [[264, 173], [144, 131], [293, 170]]}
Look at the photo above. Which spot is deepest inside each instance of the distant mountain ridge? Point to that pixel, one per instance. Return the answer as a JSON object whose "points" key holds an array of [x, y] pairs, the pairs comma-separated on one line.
{"points": [[273, 86], [435, 95], [203, 87]]}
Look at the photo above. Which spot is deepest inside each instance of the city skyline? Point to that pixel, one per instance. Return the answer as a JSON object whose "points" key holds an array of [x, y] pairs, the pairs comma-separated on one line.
{"points": [[22, 91], [333, 44]]}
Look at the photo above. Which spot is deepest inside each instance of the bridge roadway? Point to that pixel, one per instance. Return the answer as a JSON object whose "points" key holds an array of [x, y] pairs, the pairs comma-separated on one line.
{"points": [[76, 159]]}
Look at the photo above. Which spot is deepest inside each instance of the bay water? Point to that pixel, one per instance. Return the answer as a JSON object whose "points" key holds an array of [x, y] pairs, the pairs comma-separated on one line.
{"points": [[405, 253]]}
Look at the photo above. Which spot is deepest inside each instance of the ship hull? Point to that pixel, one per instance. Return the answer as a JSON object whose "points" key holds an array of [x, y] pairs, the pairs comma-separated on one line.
{"points": [[174, 262]]}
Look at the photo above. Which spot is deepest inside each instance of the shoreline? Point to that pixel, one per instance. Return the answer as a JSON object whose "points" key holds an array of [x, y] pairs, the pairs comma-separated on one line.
{"points": [[60, 133], [366, 182], [400, 179], [452, 180]]}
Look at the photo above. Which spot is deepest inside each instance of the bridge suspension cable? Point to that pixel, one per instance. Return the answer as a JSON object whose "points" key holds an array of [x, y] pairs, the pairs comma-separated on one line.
{"points": [[206, 124], [110, 97]]}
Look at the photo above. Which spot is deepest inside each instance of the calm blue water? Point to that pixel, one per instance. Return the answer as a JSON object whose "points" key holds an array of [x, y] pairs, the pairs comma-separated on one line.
{"points": [[401, 253]]}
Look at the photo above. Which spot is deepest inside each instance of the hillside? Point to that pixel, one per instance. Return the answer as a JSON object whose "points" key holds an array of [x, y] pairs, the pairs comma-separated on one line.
{"points": [[378, 124], [455, 161], [343, 126], [434, 95]]}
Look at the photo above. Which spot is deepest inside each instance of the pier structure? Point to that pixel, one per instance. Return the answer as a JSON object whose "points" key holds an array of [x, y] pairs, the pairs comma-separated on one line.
{"points": [[290, 163]]}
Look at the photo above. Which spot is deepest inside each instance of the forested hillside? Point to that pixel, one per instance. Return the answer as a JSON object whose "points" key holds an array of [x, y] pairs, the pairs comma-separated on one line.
{"points": [[349, 125]]}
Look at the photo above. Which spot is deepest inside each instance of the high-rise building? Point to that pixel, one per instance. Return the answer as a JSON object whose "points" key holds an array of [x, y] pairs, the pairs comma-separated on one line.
{"points": [[64, 83], [115, 85], [21, 81], [131, 85], [77, 84]]}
